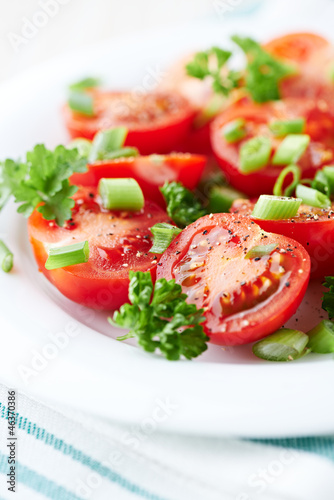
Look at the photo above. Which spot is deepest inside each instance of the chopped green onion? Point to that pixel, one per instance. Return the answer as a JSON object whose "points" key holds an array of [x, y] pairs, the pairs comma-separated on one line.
{"points": [[320, 183], [84, 146], [280, 128], [254, 154], [276, 207], [163, 236], [322, 338], [86, 83], [81, 103], [121, 153], [329, 173], [278, 188], [106, 142], [70, 255], [210, 110], [312, 197], [235, 130], [260, 251], [121, 194], [283, 345], [291, 149], [221, 199], [6, 257]]}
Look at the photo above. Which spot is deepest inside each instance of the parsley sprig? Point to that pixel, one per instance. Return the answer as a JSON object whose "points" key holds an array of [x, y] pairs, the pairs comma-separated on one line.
{"points": [[182, 205], [160, 318], [209, 63], [42, 182], [328, 297]]}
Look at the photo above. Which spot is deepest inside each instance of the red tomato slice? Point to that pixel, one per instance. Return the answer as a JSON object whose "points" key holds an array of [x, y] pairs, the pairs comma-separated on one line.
{"points": [[244, 299], [150, 172], [319, 125], [118, 242], [157, 122], [313, 56], [312, 227]]}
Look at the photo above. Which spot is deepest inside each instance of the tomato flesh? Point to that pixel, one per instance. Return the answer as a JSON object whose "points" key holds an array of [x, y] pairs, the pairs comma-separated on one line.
{"points": [[156, 122], [151, 172], [244, 299], [319, 125], [311, 227], [118, 242]]}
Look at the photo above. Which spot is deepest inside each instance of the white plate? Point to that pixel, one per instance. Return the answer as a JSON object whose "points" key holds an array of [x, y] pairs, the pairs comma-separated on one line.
{"points": [[225, 392]]}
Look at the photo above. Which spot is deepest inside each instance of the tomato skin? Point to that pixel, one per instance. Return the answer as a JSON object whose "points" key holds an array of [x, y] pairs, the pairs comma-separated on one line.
{"points": [[316, 235], [156, 122], [218, 273], [114, 240], [319, 125], [150, 172]]}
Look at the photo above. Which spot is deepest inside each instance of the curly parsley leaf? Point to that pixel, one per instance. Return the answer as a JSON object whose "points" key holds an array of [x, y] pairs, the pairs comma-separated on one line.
{"points": [[328, 297], [210, 64], [160, 318], [182, 205], [263, 72], [43, 180]]}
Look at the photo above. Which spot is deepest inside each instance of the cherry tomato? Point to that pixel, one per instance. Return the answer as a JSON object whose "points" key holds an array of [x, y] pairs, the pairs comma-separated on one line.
{"points": [[157, 122], [118, 242], [244, 299], [150, 172], [311, 227], [319, 125]]}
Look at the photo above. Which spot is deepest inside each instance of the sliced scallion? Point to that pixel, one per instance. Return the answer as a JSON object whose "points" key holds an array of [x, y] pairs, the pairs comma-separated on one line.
{"points": [[321, 183], [221, 199], [81, 103], [254, 154], [106, 142], [280, 128], [283, 345], [234, 131], [276, 207], [6, 257], [312, 197], [329, 173], [210, 110], [121, 194], [121, 153], [70, 255], [85, 83], [291, 149], [260, 251], [278, 188], [82, 145], [322, 338], [163, 236]]}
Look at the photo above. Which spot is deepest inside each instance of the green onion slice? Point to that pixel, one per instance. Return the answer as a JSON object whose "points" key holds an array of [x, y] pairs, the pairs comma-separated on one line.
{"points": [[278, 188], [163, 236], [85, 83], [70, 255], [291, 149], [260, 251], [321, 183], [121, 153], [84, 146], [81, 103], [121, 194], [312, 197], [221, 199], [276, 207], [106, 142], [210, 110], [283, 345], [280, 128], [254, 154], [329, 173], [6, 257], [322, 338], [235, 130]]}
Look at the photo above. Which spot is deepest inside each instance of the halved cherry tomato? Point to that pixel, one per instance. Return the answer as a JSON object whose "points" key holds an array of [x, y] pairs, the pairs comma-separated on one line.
{"points": [[319, 125], [313, 56], [150, 172], [311, 227], [157, 122], [118, 242], [244, 299]]}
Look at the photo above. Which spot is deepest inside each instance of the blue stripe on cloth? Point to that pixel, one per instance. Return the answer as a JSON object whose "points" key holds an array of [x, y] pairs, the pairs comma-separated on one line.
{"points": [[77, 455], [37, 482], [323, 445]]}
